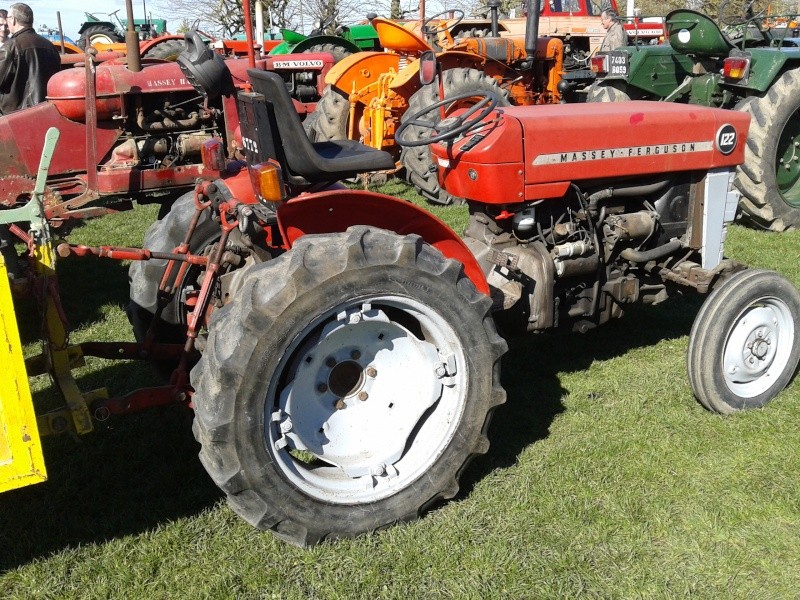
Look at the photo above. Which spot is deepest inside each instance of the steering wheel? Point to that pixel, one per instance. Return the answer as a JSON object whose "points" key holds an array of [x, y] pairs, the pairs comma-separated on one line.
{"points": [[734, 13], [450, 127], [458, 19]]}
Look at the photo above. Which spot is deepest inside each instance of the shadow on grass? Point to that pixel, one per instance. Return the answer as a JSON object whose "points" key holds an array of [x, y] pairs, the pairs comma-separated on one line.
{"points": [[139, 471], [133, 473], [531, 375], [85, 286]]}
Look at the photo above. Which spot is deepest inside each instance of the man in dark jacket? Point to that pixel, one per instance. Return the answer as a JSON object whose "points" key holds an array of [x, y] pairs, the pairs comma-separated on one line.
{"points": [[27, 61]]}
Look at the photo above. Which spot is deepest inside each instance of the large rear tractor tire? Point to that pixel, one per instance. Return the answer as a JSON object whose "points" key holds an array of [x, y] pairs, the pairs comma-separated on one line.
{"points": [[769, 179], [743, 347], [329, 120], [419, 164], [145, 276], [101, 33], [339, 52], [346, 386], [166, 50]]}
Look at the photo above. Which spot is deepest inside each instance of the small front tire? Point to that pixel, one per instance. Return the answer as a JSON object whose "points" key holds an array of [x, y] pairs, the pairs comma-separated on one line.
{"points": [[743, 347]]}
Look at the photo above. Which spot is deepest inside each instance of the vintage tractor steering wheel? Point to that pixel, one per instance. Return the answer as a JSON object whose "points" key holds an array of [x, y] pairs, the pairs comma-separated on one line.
{"points": [[733, 13], [458, 19], [450, 127]]}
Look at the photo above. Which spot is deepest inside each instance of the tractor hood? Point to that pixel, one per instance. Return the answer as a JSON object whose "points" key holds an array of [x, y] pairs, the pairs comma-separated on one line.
{"points": [[67, 89], [529, 153]]}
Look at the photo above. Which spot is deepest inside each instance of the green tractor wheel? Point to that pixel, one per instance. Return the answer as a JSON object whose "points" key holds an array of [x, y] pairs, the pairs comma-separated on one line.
{"points": [[769, 179]]}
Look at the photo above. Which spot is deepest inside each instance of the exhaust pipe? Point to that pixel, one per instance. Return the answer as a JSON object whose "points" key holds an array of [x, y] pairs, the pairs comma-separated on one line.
{"points": [[531, 32], [132, 41]]}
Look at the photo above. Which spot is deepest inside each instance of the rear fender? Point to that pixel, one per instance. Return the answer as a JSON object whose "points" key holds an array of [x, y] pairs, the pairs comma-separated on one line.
{"points": [[335, 210], [766, 65], [657, 70], [357, 71]]}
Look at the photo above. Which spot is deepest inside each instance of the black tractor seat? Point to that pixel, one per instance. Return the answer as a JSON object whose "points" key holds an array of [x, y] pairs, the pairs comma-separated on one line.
{"points": [[283, 138]]}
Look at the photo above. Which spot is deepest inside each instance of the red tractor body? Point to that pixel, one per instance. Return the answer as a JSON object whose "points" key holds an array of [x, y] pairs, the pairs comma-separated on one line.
{"points": [[530, 155]]}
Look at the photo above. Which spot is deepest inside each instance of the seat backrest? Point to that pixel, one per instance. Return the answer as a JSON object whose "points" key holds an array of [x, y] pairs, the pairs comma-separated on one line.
{"points": [[273, 129]]}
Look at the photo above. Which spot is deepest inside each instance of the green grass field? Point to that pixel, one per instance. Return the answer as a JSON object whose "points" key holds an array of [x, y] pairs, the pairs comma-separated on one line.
{"points": [[605, 479]]}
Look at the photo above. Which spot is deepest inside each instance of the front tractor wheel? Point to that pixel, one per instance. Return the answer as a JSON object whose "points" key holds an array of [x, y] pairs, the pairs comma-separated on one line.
{"points": [[743, 347], [346, 385], [769, 179]]}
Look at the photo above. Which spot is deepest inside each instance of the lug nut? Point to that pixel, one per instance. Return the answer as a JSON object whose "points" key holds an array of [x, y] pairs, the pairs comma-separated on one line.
{"points": [[322, 388], [363, 396], [355, 355], [330, 362], [372, 372]]}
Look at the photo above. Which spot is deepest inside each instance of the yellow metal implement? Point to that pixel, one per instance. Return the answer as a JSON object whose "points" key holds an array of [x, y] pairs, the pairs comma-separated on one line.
{"points": [[21, 460]]}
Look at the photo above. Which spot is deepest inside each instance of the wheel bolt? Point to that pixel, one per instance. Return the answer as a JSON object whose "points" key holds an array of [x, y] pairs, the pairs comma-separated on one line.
{"points": [[339, 404], [363, 396], [372, 372], [441, 371], [322, 388], [330, 362], [355, 355]]}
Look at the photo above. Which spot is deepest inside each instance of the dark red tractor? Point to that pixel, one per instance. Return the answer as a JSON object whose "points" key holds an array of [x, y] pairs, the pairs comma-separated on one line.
{"points": [[347, 341], [134, 135]]}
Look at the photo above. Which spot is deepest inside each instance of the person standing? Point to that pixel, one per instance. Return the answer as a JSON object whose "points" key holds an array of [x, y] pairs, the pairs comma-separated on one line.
{"points": [[4, 33], [27, 61], [615, 33]]}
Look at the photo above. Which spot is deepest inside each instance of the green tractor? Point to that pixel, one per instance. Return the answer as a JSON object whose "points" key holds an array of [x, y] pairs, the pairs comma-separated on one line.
{"points": [[752, 64], [348, 40], [96, 30]]}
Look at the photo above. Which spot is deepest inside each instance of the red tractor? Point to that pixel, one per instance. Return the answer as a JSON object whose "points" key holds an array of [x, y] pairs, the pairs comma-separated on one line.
{"points": [[133, 135], [349, 355]]}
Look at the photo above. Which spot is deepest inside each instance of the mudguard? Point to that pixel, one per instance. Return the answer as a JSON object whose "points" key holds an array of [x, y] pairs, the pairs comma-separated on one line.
{"points": [[336, 210], [361, 69]]}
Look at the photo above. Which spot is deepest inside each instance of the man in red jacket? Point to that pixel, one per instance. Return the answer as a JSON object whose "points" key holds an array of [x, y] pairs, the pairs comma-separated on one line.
{"points": [[27, 61]]}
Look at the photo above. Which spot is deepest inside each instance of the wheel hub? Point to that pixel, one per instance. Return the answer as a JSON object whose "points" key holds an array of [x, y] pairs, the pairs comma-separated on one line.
{"points": [[750, 354], [360, 392]]}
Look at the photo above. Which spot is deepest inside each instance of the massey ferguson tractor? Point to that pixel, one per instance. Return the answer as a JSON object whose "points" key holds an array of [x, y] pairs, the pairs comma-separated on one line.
{"points": [[346, 342]]}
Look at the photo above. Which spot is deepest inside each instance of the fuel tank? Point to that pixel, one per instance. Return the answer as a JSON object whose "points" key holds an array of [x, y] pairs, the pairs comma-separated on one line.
{"points": [[527, 153], [66, 90]]}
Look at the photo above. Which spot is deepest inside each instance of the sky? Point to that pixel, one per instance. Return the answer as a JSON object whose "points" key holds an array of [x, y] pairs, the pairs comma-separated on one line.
{"points": [[72, 12]]}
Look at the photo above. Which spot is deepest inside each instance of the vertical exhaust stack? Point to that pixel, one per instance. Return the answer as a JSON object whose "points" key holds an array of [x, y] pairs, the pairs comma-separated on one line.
{"points": [[531, 31], [132, 41], [494, 10]]}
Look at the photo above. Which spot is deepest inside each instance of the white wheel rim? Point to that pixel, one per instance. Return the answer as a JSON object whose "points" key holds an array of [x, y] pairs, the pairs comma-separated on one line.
{"points": [[101, 38], [372, 403], [758, 347]]}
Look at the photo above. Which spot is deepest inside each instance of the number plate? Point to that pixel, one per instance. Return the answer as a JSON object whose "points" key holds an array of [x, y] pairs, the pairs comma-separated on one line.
{"points": [[618, 63]]}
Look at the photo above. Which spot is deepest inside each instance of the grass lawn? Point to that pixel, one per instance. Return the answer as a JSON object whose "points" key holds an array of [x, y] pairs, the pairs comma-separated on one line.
{"points": [[605, 478]]}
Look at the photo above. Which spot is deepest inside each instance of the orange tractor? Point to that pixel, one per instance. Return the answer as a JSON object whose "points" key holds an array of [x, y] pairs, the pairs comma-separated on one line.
{"points": [[369, 93]]}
